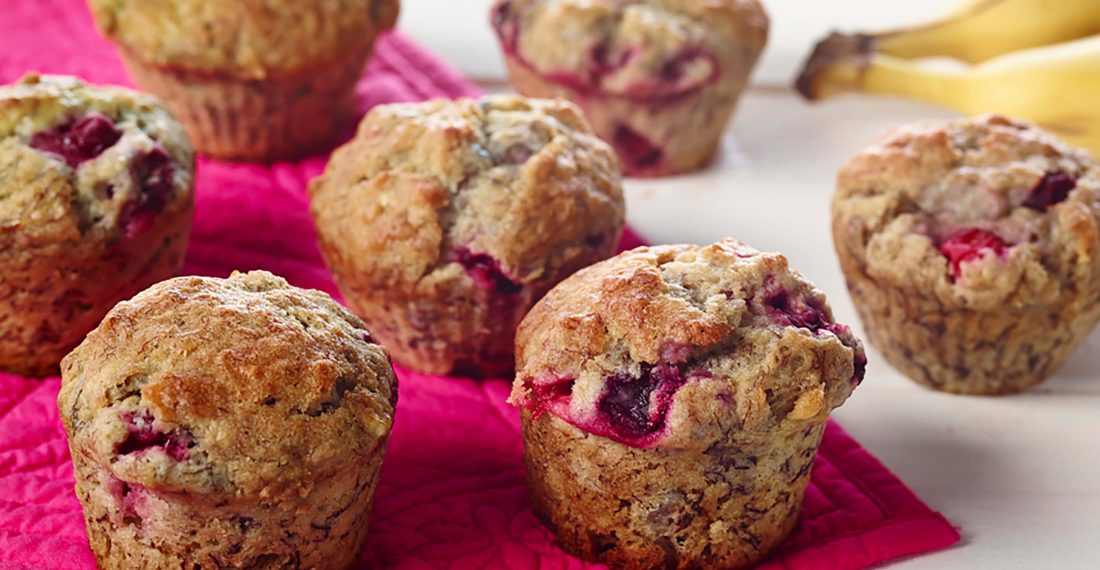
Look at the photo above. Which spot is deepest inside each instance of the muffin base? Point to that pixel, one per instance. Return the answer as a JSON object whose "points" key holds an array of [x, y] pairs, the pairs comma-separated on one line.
{"points": [[456, 330], [723, 507], [964, 351], [257, 120], [49, 303], [686, 131], [134, 527]]}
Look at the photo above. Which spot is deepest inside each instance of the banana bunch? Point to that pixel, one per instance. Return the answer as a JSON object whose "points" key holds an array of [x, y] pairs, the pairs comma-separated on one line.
{"points": [[1037, 60]]}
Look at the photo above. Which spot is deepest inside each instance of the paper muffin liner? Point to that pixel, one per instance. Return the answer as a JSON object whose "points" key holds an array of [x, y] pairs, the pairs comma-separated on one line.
{"points": [[725, 506], [257, 120]]}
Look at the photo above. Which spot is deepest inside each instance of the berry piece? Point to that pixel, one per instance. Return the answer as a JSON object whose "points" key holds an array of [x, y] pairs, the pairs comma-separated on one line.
{"points": [[142, 436], [486, 272], [153, 173], [1053, 188], [637, 406], [805, 315], [970, 244], [78, 140]]}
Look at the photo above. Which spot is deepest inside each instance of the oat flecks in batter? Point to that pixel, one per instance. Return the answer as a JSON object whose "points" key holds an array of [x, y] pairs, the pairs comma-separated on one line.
{"points": [[227, 423], [443, 222], [96, 196], [970, 248], [673, 400]]}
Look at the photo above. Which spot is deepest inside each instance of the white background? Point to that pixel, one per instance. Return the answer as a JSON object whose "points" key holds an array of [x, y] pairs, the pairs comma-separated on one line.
{"points": [[1019, 474]]}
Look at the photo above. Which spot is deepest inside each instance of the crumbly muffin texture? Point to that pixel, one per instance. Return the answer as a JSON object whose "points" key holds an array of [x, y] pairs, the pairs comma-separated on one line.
{"points": [[227, 423], [658, 78], [443, 222], [970, 248], [677, 346], [249, 39], [95, 204], [673, 400]]}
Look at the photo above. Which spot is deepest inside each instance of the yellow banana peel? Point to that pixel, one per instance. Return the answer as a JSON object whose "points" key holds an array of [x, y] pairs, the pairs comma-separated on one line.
{"points": [[1055, 86], [983, 29]]}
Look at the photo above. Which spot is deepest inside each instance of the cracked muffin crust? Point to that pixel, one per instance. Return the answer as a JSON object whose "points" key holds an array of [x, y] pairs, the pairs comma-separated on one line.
{"points": [[673, 401], [443, 222], [95, 205], [235, 422], [970, 248], [250, 79], [658, 79]]}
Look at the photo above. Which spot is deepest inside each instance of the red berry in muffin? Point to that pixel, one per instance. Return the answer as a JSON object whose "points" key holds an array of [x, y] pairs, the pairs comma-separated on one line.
{"points": [[951, 234]]}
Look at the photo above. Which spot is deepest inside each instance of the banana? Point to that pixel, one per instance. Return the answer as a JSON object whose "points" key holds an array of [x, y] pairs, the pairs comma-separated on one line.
{"points": [[983, 29], [1054, 86]]}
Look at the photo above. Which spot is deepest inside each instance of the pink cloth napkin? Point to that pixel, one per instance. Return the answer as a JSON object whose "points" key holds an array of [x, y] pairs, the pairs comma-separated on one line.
{"points": [[452, 492]]}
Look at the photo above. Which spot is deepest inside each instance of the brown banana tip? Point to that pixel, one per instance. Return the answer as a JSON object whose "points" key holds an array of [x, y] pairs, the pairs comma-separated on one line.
{"points": [[834, 48]]}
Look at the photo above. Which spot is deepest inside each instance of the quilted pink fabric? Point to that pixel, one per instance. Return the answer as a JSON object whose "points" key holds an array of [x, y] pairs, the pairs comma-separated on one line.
{"points": [[452, 492]]}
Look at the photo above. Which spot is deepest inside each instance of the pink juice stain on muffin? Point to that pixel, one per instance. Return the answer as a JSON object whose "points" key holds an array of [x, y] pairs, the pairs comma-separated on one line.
{"points": [[971, 244], [142, 437], [632, 410], [153, 173], [486, 272], [130, 498], [78, 140], [1053, 188], [505, 25]]}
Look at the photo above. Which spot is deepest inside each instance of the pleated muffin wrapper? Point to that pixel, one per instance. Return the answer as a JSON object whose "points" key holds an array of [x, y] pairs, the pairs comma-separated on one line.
{"points": [[280, 117]]}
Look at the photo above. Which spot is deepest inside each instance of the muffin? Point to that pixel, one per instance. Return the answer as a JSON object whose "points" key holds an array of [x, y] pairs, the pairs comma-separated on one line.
{"points": [[658, 79], [250, 79], [96, 196], [673, 399], [227, 423], [443, 222], [970, 248]]}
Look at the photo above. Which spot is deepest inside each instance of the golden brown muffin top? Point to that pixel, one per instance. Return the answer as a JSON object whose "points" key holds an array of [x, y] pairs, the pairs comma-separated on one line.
{"points": [[975, 212], [243, 386], [683, 346], [640, 49], [510, 187], [86, 164], [251, 39]]}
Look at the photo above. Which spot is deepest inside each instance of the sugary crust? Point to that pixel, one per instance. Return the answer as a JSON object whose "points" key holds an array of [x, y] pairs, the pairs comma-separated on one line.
{"points": [[725, 506], [710, 310], [522, 183], [1004, 322], [245, 39], [70, 251], [659, 79], [265, 390]]}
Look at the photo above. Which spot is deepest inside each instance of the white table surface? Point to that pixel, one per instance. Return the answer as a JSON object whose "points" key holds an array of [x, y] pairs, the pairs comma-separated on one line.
{"points": [[1019, 474]]}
